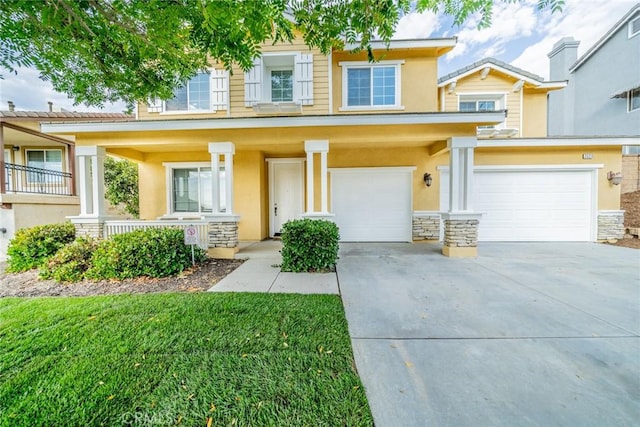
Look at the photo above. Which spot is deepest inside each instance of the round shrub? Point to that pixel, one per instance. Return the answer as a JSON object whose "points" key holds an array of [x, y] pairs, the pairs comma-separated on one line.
{"points": [[309, 245], [32, 246], [71, 262], [152, 252]]}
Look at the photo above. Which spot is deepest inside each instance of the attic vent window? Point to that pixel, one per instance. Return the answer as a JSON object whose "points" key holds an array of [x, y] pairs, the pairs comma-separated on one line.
{"points": [[634, 27]]}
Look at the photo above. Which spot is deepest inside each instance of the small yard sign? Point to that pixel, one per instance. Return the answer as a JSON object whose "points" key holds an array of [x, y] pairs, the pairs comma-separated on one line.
{"points": [[191, 238], [191, 235]]}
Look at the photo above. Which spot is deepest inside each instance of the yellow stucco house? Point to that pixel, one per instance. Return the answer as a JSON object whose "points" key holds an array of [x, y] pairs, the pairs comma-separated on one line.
{"points": [[384, 149]]}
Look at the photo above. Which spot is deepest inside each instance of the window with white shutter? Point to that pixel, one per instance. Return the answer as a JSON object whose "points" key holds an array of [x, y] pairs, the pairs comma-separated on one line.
{"points": [[253, 84], [219, 89], [280, 78]]}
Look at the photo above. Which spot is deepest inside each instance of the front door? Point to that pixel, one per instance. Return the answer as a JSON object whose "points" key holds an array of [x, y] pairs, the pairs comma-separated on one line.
{"points": [[286, 192]]}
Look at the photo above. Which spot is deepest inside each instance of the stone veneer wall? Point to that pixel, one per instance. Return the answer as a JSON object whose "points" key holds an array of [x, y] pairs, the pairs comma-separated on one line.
{"points": [[461, 233], [426, 226], [91, 229], [610, 225], [630, 173], [223, 234]]}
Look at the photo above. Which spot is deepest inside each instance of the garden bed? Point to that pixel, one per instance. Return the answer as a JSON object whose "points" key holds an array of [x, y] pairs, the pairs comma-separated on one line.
{"points": [[200, 278]]}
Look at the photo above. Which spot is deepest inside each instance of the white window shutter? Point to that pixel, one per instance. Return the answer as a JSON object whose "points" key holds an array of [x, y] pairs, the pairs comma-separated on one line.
{"points": [[303, 75], [253, 84], [219, 90], [154, 105]]}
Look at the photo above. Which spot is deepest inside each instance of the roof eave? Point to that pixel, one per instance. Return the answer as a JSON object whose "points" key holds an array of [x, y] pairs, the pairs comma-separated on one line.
{"points": [[477, 118]]}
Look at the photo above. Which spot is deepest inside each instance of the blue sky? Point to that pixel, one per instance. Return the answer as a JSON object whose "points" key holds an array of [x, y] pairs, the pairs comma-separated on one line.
{"points": [[520, 35]]}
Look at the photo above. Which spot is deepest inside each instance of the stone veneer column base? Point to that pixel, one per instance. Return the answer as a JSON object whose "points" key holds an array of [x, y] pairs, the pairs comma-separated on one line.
{"points": [[610, 225], [88, 226], [460, 234], [426, 227], [223, 236]]}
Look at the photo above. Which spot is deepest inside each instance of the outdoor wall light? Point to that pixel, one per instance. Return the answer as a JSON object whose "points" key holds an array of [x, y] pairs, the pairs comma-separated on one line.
{"points": [[614, 177], [427, 179], [15, 148]]}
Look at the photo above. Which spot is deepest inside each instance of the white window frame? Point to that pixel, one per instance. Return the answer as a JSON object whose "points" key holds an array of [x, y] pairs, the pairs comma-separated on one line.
{"points": [[500, 98], [631, 23], [44, 150], [347, 65], [210, 72], [267, 88], [170, 167], [630, 98]]}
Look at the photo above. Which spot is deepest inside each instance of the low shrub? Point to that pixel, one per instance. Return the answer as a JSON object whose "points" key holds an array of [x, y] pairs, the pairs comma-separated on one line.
{"points": [[309, 245], [71, 262], [32, 246], [152, 252]]}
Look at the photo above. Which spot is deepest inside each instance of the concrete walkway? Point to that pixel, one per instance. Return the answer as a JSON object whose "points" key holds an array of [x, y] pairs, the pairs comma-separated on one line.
{"points": [[261, 273]]}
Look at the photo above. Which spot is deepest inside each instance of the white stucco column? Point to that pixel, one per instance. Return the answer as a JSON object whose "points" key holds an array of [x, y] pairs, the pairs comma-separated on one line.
{"points": [[312, 147], [461, 173], [91, 180], [460, 221], [227, 149]]}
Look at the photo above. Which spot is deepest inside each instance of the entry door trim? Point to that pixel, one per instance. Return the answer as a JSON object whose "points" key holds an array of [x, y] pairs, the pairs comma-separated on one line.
{"points": [[272, 165]]}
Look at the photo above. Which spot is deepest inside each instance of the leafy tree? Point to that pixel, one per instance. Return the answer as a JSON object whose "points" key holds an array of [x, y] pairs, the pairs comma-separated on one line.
{"points": [[108, 50], [121, 182]]}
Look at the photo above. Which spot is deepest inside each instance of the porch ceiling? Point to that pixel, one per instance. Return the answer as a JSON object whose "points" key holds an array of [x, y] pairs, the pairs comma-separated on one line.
{"points": [[278, 140]]}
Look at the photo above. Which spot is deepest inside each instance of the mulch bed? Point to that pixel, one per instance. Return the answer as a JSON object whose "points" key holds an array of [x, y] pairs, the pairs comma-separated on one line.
{"points": [[198, 279]]}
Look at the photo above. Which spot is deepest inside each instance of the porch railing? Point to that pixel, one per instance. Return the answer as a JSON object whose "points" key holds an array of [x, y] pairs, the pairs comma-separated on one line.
{"points": [[112, 228], [27, 179]]}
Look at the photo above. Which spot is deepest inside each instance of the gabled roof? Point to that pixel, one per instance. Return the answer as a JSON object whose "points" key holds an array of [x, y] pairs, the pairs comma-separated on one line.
{"points": [[62, 115], [503, 67], [593, 49]]}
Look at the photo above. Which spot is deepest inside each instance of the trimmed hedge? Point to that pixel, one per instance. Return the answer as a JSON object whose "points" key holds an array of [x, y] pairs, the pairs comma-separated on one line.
{"points": [[309, 245], [70, 263], [152, 252], [32, 246]]}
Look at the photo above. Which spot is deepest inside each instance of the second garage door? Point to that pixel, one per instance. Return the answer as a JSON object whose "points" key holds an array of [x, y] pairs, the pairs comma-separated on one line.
{"points": [[532, 205], [372, 204]]}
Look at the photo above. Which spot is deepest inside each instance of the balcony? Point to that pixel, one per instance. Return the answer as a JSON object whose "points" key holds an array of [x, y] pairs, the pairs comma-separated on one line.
{"points": [[26, 179]]}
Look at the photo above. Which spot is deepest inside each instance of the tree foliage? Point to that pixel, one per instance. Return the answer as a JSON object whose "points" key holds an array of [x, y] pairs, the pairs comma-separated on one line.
{"points": [[109, 50], [121, 182]]}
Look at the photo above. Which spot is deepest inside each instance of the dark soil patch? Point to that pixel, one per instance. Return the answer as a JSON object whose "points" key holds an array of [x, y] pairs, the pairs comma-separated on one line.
{"points": [[198, 279]]}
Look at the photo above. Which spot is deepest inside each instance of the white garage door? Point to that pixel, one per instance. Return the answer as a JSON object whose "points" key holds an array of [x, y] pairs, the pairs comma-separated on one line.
{"points": [[372, 204], [531, 205]]}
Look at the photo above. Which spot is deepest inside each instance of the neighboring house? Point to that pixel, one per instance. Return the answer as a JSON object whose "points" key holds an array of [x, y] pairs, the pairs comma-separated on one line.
{"points": [[302, 134], [603, 92], [37, 184]]}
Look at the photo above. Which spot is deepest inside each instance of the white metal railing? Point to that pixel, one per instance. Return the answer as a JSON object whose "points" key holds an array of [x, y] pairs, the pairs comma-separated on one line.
{"points": [[112, 228]]}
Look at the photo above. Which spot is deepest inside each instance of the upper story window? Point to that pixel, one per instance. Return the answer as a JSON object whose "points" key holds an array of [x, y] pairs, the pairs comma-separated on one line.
{"points": [[482, 102], [634, 27], [279, 78], [193, 96], [281, 85], [371, 86], [43, 159], [204, 93], [634, 99]]}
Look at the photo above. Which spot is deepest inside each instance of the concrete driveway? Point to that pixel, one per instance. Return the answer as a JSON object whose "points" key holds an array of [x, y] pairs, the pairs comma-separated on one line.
{"points": [[526, 334]]}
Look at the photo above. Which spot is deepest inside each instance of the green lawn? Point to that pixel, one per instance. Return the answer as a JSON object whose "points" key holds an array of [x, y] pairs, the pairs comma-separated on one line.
{"points": [[165, 359]]}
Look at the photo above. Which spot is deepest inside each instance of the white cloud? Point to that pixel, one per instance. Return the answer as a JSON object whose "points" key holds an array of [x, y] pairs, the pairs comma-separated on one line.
{"points": [[585, 20], [417, 25]]}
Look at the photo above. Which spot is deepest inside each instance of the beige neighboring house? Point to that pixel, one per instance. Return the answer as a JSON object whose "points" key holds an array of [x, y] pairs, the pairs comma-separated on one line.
{"points": [[38, 185]]}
